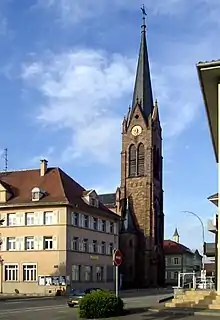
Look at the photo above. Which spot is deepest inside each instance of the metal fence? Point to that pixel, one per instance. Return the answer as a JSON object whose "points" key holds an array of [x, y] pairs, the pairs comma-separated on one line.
{"points": [[193, 281]]}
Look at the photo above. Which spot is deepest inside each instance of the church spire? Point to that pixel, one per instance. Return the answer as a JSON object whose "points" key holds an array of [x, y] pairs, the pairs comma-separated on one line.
{"points": [[142, 89]]}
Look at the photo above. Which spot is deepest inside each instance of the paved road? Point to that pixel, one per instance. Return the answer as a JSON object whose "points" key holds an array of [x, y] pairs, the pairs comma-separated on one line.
{"points": [[56, 308]]}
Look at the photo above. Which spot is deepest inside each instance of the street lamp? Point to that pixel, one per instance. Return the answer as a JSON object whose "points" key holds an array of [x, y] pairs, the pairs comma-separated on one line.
{"points": [[203, 235]]}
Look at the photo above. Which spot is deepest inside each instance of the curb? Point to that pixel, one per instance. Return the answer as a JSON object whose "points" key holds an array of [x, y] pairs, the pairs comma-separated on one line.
{"points": [[186, 312], [26, 298]]}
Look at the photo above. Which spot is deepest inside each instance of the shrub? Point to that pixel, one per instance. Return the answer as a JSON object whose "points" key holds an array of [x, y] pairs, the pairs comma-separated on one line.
{"points": [[100, 304]]}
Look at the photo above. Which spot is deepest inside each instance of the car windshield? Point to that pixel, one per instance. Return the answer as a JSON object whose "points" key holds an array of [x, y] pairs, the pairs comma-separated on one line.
{"points": [[76, 293]]}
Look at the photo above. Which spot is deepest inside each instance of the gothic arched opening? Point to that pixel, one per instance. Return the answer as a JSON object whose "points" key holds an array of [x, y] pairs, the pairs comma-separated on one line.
{"points": [[140, 158], [132, 160]]}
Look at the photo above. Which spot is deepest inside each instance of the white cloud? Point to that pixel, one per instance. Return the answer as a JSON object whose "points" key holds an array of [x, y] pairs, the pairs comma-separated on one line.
{"points": [[82, 92], [48, 155]]}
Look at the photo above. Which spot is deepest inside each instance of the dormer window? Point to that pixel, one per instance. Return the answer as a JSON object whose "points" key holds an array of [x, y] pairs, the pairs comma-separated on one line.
{"points": [[94, 202], [36, 194]]}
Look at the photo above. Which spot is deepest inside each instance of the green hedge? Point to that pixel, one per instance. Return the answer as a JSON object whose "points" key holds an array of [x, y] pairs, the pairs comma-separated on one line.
{"points": [[100, 304]]}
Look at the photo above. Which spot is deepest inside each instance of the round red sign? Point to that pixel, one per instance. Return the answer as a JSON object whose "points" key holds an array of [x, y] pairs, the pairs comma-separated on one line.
{"points": [[117, 258]]}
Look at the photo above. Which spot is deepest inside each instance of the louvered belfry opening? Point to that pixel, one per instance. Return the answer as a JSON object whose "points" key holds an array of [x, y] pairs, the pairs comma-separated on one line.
{"points": [[132, 161], [140, 160]]}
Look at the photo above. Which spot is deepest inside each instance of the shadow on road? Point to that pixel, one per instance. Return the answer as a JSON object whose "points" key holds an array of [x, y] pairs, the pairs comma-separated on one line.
{"points": [[142, 293]]}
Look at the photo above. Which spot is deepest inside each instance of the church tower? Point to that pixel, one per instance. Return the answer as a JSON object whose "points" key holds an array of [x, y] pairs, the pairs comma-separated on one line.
{"points": [[140, 196], [176, 236]]}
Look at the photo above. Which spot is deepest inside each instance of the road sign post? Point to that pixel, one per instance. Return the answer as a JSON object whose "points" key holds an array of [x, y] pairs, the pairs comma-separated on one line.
{"points": [[117, 261]]}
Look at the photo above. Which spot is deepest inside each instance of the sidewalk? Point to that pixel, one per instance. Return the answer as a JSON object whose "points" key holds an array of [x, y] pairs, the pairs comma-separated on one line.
{"points": [[160, 308]]}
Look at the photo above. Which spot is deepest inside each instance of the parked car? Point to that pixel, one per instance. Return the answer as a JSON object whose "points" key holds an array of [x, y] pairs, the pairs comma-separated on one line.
{"points": [[76, 295]]}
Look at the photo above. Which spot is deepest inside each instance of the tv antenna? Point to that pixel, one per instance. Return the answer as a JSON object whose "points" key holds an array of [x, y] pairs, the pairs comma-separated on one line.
{"points": [[6, 159]]}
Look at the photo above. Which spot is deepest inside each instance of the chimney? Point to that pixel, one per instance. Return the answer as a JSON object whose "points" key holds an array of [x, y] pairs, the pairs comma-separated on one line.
{"points": [[43, 167]]}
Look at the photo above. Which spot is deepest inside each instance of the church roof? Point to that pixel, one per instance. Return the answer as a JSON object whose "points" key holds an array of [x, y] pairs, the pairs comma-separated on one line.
{"points": [[143, 89], [108, 199]]}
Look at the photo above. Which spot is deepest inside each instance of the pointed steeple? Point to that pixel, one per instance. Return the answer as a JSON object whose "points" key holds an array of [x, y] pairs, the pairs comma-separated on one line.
{"points": [[143, 89], [176, 236]]}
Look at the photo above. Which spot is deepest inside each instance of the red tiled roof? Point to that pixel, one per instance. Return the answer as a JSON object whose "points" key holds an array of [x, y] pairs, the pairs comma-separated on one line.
{"points": [[59, 188], [172, 247]]}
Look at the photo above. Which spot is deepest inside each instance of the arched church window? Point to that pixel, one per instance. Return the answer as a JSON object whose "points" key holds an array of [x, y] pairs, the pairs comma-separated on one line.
{"points": [[140, 158], [132, 161]]}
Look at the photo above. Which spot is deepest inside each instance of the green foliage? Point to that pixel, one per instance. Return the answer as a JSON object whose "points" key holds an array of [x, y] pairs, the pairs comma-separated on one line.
{"points": [[100, 304]]}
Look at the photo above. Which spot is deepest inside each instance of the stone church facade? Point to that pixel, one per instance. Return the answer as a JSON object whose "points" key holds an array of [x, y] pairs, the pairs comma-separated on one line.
{"points": [[139, 199]]}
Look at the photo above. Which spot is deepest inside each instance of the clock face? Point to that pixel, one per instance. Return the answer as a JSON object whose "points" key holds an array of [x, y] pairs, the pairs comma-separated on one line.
{"points": [[136, 130]]}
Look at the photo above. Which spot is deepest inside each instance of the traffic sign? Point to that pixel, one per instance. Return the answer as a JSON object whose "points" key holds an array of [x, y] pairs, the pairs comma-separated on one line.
{"points": [[117, 257]]}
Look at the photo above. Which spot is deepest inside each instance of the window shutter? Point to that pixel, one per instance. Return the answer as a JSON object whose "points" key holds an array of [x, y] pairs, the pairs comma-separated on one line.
{"points": [[36, 244], [115, 228], [41, 218], [4, 217], [41, 243], [21, 242], [107, 249], [99, 225], [80, 220], [36, 218], [4, 244], [99, 248], [54, 243], [90, 248], [22, 218], [56, 217], [18, 219], [80, 245], [18, 244], [90, 222]]}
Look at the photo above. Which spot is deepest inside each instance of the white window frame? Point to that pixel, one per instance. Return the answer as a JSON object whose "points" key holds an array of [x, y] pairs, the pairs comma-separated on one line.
{"points": [[48, 240], [103, 225], [88, 273], [75, 243], [95, 223], [86, 221], [48, 217], [95, 246], [111, 227], [29, 218], [75, 219], [103, 247], [85, 245], [28, 241], [29, 274], [99, 273], [176, 261], [11, 272], [76, 272], [111, 247], [12, 217], [11, 240]]}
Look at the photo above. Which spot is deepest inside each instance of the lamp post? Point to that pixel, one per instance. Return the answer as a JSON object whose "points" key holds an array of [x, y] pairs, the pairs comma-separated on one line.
{"points": [[203, 235]]}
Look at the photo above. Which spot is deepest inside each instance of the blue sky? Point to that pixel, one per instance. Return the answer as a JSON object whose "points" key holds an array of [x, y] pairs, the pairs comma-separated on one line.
{"points": [[66, 78]]}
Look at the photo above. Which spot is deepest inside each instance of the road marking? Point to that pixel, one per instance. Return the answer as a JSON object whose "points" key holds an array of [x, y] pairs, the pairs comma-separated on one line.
{"points": [[33, 309]]}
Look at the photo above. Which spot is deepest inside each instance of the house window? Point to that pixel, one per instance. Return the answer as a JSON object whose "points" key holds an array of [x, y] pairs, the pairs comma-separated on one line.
{"points": [[35, 193], [75, 219], [95, 223], [85, 245], [111, 227], [166, 275], [86, 221], [11, 272], [29, 272], [48, 217], [12, 219], [176, 261], [99, 273], [87, 273], [29, 243], [48, 243], [103, 226], [11, 244], [75, 243], [111, 248], [75, 273], [94, 246], [103, 247], [29, 218], [176, 275]]}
